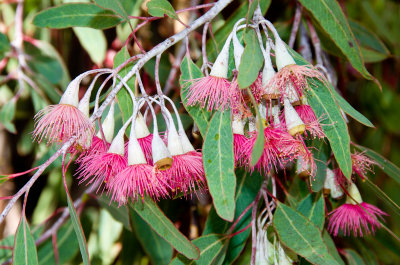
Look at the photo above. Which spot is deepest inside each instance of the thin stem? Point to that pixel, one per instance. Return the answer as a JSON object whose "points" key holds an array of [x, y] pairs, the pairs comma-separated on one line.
{"points": [[316, 42], [296, 24], [254, 229], [203, 48]]}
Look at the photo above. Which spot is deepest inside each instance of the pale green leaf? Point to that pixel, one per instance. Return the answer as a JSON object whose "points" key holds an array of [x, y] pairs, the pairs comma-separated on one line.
{"points": [[159, 8], [76, 15], [302, 236], [219, 164], [25, 252], [155, 218], [94, 42]]}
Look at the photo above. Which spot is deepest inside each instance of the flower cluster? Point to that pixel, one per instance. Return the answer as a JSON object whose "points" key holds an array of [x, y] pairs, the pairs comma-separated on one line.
{"points": [[280, 97], [155, 164]]}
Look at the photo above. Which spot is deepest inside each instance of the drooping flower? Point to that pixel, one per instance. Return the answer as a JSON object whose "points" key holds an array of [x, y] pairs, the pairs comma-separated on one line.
{"points": [[355, 216], [361, 164], [239, 140], [214, 91], [144, 138], [58, 123], [292, 80], [186, 172], [138, 179], [102, 166]]}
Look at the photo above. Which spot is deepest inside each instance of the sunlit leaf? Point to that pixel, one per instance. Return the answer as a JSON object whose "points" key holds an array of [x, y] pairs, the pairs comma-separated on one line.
{"points": [[25, 252]]}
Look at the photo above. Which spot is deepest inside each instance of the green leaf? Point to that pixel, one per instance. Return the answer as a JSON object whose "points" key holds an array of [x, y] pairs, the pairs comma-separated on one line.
{"points": [[119, 213], [222, 34], [76, 15], [118, 6], [124, 99], [219, 164], [300, 235], [78, 230], [67, 246], [331, 247], [191, 72], [212, 251], [322, 102], [7, 113], [388, 167], [331, 18], [350, 110], [159, 251], [94, 42], [381, 194], [321, 155], [251, 61], [47, 66], [372, 48], [248, 185], [152, 215], [313, 207], [24, 246], [353, 258], [258, 146], [159, 8], [4, 45]]}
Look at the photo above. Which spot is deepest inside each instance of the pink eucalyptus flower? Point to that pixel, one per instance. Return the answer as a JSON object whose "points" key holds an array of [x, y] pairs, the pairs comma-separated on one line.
{"points": [[186, 173], [355, 218], [279, 148], [211, 92], [58, 123], [100, 167], [311, 122], [361, 164], [239, 141], [137, 181], [98, 146]]}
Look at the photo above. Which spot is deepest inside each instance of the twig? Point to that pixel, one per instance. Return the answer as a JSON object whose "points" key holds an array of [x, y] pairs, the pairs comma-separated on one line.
{"points": [[214, 11], [305, 49], [316, 42], [296, 24], [254, 229]]}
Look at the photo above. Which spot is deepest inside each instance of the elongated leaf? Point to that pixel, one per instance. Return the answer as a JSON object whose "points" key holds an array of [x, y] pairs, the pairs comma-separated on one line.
{"points": [[4, 45], [121, 214], [24, 246], [156, 219], [321, 155], [159, 8], [258, 147], [301, 235], [219, 164], [313, 207], [383, 196], [94, 42], [388, 167], [331, 18], [222, 34], [7, 115], [190, 72], [248, 185], [78, 230], [353, 258], [118, 6], [331, 247], [372, 48], [322, 102], [76, 15], [251, 61], [159, 251], [350, 110], [67, 246], [211, 251]]}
